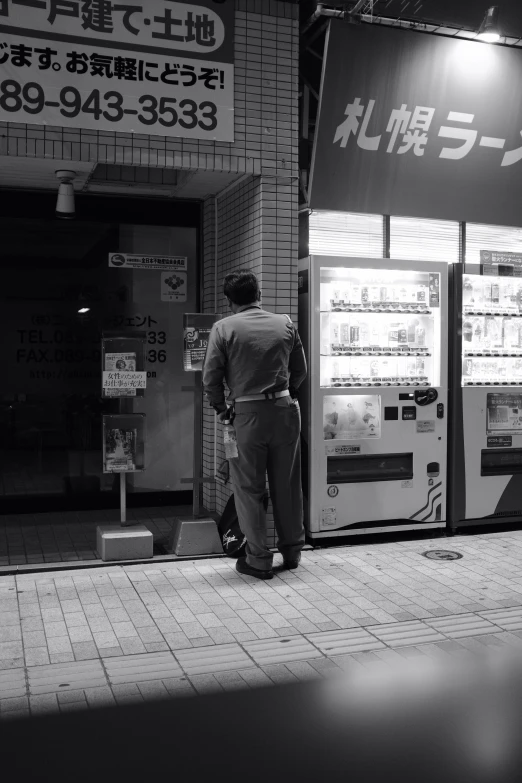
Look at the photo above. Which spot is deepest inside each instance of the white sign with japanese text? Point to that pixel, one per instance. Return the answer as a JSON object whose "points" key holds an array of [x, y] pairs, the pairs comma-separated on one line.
{"points": [[122, 379], [186, 27], [164, 68], [130, 261], [83, 87]]}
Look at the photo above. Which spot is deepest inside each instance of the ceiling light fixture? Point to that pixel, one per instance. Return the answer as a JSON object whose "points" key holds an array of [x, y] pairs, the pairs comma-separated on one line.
{"points": [[489, 30]]}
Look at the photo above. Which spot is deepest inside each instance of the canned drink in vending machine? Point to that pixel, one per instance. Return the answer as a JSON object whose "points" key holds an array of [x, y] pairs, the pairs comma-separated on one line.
{"points": [[402, 334], [355, 294], [420, 336]]}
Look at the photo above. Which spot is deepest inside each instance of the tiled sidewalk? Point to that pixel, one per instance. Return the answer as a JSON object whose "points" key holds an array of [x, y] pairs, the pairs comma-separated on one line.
{"points": [[114, 634]]}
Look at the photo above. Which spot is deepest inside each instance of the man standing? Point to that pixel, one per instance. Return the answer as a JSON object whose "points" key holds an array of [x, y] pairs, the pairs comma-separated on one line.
{"points": [[261, 358]]}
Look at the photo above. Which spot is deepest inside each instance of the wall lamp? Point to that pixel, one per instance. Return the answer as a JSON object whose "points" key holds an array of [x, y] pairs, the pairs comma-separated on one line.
{"points": [[65, 202]]}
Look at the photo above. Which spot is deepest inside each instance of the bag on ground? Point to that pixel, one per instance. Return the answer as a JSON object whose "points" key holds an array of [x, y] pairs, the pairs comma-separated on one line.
{"points": [[232, 539]]}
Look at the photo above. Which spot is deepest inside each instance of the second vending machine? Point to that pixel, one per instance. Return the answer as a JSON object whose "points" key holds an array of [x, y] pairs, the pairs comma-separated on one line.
{"points": [[486, 432], [374, 404]]}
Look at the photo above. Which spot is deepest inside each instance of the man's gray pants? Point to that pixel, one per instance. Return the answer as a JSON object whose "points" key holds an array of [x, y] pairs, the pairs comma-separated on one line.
{"points": [[268, 433]]}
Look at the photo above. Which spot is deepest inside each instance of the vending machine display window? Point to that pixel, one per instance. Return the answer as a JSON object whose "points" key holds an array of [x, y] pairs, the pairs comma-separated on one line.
{"points": [[379, 327], [357, 417], [491, 330]]}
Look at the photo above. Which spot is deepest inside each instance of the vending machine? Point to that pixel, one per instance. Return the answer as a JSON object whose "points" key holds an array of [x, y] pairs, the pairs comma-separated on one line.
{"points": [[374, 429], [486, 397]]}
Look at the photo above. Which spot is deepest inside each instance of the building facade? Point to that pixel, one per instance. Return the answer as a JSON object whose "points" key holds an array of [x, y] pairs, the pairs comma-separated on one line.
{"points": [[246, 191]]}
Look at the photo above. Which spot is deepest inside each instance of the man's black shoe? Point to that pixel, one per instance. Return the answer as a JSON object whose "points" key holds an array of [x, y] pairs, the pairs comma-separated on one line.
{"points": [[293, 562], [242, 567]]}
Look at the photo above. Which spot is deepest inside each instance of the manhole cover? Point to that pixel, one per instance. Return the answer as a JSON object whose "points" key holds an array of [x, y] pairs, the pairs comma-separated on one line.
{"points": [[442, 554]]}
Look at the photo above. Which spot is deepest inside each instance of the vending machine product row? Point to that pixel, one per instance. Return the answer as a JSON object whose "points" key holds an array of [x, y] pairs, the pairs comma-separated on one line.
{"points": [[486, 422], [374, 428]]}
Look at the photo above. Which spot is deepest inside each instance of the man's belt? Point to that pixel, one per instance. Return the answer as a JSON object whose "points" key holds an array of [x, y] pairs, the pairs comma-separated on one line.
{"points": [[266, 396]]}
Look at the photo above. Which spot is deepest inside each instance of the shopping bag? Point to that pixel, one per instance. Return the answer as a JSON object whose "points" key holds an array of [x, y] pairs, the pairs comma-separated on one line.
{"points": [[232, 539]]}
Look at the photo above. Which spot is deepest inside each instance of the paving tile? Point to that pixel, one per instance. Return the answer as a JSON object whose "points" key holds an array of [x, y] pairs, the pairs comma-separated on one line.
{"points": [[12, 683], [11, 704], [132, 646], [42, 705], [281, 650], [69, 697], [10, 633], [54, 629], [205, 660], [36, 656], [205, 683], [84, 651], [232, 681], [279, 674], [345, 641], [463, 625], [153, 690], [179, 686], [408, 633], [61, 657], [125, 694], [56, 678], [141, 668], [303, 670], [509, 619]]}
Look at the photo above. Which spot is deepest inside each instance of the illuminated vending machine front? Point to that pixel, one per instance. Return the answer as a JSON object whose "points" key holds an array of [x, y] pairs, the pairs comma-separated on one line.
{"points": [[486, 432], [374, 407]]}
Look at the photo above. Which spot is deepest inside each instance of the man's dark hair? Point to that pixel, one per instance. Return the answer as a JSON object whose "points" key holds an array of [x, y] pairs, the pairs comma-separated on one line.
{"points": [[241, 288]]}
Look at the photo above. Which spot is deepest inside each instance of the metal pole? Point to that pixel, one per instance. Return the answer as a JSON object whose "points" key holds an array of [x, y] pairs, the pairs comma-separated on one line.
{"points": [[123, 498], [197, 472]]}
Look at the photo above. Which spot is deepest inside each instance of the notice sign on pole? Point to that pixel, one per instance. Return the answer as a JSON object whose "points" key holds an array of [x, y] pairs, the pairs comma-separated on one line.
{"points": [[161, 67], [196, 331], [124, 383], [128, 261]]}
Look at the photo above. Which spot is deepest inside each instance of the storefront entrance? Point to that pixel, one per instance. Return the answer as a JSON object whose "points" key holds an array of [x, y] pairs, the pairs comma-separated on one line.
{"points": [[50, 400]]}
